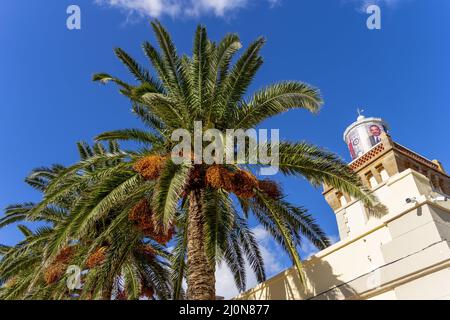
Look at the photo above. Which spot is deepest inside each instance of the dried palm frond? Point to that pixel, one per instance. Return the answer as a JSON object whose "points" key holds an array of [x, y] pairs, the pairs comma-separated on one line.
{"points": [[150, 167], [142, 214], [240, 182], [147, 251], [57, 269], [96, 258], [54, 272], [244, 184], [196, 178], [162, 236], [122, 295], [65, 255], [270, 188], [147, 291], [219, 177]]}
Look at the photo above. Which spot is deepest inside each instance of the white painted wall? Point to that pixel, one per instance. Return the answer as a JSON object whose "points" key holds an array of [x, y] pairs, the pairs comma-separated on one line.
{"points": [[402, 255]]}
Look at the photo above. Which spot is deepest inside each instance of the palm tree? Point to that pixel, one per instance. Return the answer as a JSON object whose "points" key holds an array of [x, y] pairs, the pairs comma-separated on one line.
{"points": [[206, 205], [131, 268], [118, 261]]}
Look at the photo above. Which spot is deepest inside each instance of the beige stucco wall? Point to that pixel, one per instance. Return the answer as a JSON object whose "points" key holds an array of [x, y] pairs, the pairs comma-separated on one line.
{"points": [[403, 255]]}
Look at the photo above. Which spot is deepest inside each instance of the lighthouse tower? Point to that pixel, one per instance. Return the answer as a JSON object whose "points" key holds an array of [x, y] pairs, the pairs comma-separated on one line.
{"points": [[402, 254], [379, 161]]}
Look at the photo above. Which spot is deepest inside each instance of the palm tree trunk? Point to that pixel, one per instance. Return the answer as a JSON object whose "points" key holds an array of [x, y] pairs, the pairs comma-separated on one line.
{"points": [[106, 294], [200, 273]]}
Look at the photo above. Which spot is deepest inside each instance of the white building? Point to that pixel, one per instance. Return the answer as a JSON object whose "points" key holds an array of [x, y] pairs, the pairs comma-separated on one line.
{"points": [[404, 254]]}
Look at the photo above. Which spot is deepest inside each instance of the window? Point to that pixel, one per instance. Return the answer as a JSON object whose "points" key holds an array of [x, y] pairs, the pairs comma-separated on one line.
{"points": [[383, 173], [371, 180], [342, 200]]}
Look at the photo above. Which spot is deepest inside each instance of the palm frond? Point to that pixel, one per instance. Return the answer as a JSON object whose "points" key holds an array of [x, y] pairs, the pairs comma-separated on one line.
{"points": [[274, 100], [170, 185], [130, 135]]}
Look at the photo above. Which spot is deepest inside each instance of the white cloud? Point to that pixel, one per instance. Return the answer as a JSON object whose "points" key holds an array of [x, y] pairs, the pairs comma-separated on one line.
{"points": [[268, 249], [308, 249], [270, 252], [186, 8], [334, 239], [153, 8], [218, 7], [225, 286], [363, 4]]}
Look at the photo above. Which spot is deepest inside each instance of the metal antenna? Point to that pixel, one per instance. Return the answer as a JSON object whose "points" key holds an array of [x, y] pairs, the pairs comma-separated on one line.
{"points": [[360, 111]]}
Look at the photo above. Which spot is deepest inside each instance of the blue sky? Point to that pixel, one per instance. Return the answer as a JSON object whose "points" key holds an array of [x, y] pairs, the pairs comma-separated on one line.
{"points": [[48, 102]]}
